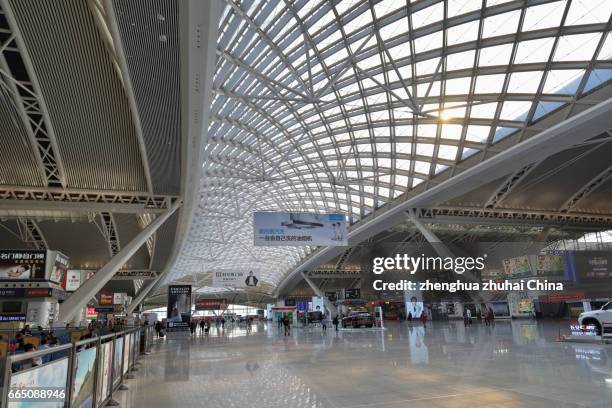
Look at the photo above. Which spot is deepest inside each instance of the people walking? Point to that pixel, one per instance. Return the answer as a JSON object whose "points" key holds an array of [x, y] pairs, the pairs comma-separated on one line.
{"points": [[335, 322], [324, 323], [287, 326], [202, 324]]}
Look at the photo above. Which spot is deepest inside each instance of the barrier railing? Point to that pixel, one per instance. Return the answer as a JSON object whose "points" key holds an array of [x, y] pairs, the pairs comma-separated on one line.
{"points": [[84, 373]]}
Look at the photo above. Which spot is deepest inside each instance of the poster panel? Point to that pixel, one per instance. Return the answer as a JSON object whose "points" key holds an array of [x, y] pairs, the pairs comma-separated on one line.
{"points": [[549, 265], [57, 266], [299, 229], [105, 367], [517, 267], [593, 266], [235, 279], [179, 308], [106, 298], [414, 304], [49, 376], [21, 265], [83, 387], [126, 352], [134, 348], [72, 280], [318, 304], [117, 361]]}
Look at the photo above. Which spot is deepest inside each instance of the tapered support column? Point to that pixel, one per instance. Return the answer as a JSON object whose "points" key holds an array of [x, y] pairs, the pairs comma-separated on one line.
{"points": [[74, 303], [142, 294], [328, 304]]}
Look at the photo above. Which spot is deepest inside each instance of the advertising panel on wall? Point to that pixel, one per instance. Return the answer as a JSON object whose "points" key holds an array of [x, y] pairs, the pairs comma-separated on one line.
{"points": [[299, 229], [117, 359], [354, 293], [104, 375], [57, 266], [21, 265], [84, 378], [549, 265], [318, 304], [49, 376], [119, 298], [211, 304], [518, 267], [126, 352], [593, 266], [235, 279], [72, 280], [106, 298], [179, 308]]}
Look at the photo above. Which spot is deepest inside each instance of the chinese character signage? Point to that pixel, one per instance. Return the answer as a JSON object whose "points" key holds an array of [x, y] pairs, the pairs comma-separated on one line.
{"points": [[179, 308], [211, 304], [235, 279], [106, 298], [299, 229], [22, 265], [57, 265]]}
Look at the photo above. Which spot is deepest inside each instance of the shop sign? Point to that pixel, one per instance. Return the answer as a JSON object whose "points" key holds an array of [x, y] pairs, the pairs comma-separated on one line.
{"points": [[20, 317], [565, 297], [211, 304], [106, 298]]}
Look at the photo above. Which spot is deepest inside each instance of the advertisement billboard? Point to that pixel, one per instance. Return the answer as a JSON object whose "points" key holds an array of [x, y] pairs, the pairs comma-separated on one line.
{"points": [[49, 376], [106, 298], [549, 265], [235, 279], [126, 352], [21, 265], [179, 308], [72, 280], [117, 360], [119, 298], [105, 367], [318, 304], [518, 267], [593, 266], [84, 378], [211, 304], [299, 229], [57, 266]]}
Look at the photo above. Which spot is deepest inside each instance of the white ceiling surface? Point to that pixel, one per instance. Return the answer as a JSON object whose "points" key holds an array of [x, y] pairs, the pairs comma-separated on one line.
{"points": [[346, 105]]}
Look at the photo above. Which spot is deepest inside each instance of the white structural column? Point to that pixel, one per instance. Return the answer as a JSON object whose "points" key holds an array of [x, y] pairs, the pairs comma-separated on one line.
{"points": [[142, 294], [328, 304], [74, 303], [438, 246]]}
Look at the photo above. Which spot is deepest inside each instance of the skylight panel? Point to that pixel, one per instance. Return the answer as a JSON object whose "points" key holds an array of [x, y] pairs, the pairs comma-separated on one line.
{"points": [[588, 12], [457, 86], [524, 82], [501, 24], [403, 148], [447, 152], [460, 60], [533, 51], [427, 67], [429, 42], [579, 47], [544, 16], [477, 133], [383, 147], [496, 55], [515, 110], [362, 20], [458, 7], [563, 81], [400, 51], [402, 164], [484, 111], [450, 131], [486, 84], [386, 7], [425, 149], [400, 180], [394, 29], [606, 50], [462, 33], [428, 15]]}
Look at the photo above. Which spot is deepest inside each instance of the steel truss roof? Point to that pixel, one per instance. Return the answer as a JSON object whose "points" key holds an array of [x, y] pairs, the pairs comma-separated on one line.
{"points": [[347, 105]]}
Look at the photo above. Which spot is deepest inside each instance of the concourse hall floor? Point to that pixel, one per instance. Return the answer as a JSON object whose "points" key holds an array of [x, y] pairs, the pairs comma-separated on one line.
{"points": [[514, 364]]}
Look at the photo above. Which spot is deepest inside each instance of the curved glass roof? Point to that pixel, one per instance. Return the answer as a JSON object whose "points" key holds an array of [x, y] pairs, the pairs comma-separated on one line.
{"points": [[346, 105]]}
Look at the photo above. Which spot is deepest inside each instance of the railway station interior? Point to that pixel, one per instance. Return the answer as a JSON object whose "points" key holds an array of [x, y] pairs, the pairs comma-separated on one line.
{"points": [[306, 203]]}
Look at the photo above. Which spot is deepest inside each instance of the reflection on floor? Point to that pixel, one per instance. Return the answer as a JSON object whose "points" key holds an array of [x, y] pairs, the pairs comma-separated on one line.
{"points": [[514, 364]]}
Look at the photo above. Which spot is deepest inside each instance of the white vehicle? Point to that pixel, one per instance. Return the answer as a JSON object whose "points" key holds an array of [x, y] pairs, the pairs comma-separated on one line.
{"points": [[598, 318]]}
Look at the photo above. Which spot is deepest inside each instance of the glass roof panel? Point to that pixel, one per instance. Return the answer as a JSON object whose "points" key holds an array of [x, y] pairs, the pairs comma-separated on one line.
{"points": [[314, 113]]}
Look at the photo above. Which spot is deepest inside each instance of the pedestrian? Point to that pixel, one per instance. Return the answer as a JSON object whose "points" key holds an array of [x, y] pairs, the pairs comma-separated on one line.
{"points": [[324, 323], [158, 328], [335, 322], [207, 328], [280, 322], [424, 318], [468, 314], [287, 325], [222, 323], [202, 324], [192, 327]]}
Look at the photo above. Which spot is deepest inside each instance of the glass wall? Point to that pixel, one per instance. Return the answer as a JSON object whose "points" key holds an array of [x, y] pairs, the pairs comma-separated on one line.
{"points": [[238, 310]]}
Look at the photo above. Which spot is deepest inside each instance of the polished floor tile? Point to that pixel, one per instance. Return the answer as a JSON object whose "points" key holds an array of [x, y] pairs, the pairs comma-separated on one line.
{"points": [[514, 364]]}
